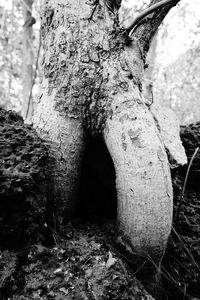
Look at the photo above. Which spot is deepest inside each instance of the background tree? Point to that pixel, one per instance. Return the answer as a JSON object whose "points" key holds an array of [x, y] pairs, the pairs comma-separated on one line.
{"points": [[10, 58], [28, 55], [176, 76], [19, 54]]}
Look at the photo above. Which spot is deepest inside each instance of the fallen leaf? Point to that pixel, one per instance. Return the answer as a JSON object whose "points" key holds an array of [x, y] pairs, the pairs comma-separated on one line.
{"points": [[57, 271], [111, 260], [63, 290]]}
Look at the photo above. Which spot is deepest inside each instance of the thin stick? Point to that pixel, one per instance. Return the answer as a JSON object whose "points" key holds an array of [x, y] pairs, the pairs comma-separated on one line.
{"points": [[184, 185], [148, 11], [185, 248]]}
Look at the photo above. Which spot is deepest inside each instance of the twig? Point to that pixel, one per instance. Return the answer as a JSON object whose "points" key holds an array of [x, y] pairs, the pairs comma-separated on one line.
{"points": [[185, 248], [148, 11], [162, 270], [27, 6], [184, 185]]}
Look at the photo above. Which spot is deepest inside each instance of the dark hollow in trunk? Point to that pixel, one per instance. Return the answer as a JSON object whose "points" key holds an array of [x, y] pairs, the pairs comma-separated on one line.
{"points": [[97, 193]]}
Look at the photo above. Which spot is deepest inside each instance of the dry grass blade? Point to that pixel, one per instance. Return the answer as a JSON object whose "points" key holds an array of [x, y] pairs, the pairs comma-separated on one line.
{"points": [[184, 185], [162, 270], [186, 249]]}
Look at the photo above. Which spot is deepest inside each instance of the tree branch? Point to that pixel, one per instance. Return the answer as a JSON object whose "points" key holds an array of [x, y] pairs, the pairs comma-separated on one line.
{"points": [[113, 4], [147, 23], [148, 11]]}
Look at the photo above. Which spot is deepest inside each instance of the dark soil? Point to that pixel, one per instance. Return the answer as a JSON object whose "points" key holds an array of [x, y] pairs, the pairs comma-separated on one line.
{"points": [[79, 262], [84, 264], [190, 136], [22, 181], [82, 260], [181, 264]]}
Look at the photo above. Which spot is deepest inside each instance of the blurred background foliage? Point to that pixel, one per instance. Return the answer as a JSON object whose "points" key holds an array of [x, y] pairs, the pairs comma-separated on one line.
{"points": [[13, 50], [175, 59]]}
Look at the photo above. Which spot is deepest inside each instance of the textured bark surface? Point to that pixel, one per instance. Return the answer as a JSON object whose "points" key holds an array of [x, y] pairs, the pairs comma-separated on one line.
{"points": [[142, 180], [165, 119], [65, 137], [169, 128], [93, 78], [78, 65]]}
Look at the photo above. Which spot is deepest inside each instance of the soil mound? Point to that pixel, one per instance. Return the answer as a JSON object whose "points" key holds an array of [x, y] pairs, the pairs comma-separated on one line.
{"points": [[22, 180], [181, 264]]}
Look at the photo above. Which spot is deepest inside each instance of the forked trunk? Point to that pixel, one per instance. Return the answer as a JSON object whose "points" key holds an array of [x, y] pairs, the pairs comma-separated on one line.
{"points": [[93, 77]]}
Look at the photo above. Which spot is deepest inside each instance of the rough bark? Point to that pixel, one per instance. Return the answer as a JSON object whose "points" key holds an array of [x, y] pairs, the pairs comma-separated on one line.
{"points": [[169, 128], [66, 141], [142, 179], [165, 119], [93, 78]]}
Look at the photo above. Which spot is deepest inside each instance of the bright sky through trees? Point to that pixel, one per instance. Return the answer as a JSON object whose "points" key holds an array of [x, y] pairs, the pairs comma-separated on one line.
{"points": [[182, 30]]}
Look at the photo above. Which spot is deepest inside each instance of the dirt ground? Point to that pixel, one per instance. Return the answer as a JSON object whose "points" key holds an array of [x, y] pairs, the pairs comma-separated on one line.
{"points": [[83, 264], [181, 264], [22, 180], [82, 260]]}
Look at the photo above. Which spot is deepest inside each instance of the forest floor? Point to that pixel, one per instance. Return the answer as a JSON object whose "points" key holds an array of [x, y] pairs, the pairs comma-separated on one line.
{"points": [[82, 260], [181, 263], [83, 263]]}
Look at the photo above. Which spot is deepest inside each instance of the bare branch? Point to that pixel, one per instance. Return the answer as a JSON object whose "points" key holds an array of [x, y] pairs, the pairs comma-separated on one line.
{"points": [[113, 4], [146, 27], [148, 11]]}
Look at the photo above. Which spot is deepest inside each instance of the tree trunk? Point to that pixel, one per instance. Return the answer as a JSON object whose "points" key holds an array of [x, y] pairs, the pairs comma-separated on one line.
{"points": [[65, 136], [27, 104], [93, 79]]}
